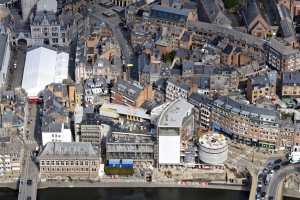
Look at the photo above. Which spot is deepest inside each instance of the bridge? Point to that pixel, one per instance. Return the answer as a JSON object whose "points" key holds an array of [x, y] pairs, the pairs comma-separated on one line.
{"points": [[30, 174], [276, 183], [29, 180]]}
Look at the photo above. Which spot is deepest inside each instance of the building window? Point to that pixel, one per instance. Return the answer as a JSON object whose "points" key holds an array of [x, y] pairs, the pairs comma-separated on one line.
{"points": [[54, 29], [36, 29]]}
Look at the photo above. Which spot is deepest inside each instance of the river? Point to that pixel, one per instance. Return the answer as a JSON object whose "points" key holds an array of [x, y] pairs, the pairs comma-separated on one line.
{"points": [[132, 194]]}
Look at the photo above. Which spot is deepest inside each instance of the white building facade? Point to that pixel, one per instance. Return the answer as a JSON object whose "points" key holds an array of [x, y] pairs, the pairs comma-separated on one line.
{"points": [[175, 128], [59, 134]]}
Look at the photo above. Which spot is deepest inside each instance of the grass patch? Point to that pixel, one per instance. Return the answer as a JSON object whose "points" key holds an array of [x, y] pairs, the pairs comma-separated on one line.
{"points": [[118, 171], [229, 4]]}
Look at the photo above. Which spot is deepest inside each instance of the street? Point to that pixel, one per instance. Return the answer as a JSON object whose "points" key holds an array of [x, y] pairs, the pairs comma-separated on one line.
{"points": [[30, 174], [16, 67], [279, 176]]}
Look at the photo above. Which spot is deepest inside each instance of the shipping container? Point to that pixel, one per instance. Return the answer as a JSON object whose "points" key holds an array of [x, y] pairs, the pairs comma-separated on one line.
{"points": [[114, 163], [127, 163]]}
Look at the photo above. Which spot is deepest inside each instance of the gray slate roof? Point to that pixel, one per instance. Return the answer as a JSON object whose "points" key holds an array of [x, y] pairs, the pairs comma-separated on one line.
{"points": [[3, 42], [248, 110], [252, 11], [291, 78], [68, 150], [169, 14]]}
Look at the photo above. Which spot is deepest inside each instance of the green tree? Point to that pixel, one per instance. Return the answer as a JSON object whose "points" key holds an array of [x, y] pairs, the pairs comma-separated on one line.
{"points": [[230, 3]]}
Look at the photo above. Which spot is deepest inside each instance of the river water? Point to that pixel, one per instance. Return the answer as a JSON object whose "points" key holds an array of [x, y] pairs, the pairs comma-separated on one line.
{"points": [[132, 194]]}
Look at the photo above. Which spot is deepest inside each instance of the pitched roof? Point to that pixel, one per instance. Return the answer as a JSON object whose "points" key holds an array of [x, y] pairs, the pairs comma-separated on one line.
{"points": [[169, 13], [3, 43], [291, 78], [252, 11], [72, 150]]}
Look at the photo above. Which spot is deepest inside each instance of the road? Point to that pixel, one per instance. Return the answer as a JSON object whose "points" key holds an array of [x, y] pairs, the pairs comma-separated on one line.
{"points": [[16, 67], [278, 177], [28, 190]]}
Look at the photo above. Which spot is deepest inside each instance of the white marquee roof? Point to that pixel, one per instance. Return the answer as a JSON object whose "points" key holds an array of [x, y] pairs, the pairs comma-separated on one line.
{"points": [[42, 67]]}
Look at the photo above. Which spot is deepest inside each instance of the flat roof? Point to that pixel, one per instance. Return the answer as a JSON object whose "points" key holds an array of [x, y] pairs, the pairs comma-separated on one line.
{"points": [[126, 110], [175, 113]]}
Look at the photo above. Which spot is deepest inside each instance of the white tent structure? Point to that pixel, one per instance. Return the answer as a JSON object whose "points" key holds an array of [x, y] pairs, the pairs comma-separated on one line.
{"points": [[42, 67]]}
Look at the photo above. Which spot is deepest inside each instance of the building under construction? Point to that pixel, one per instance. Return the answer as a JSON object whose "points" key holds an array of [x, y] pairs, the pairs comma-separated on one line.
{"points": [[138, 147]]}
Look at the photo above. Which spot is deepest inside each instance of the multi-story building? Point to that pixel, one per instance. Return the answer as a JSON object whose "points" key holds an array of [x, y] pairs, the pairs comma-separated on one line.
{"points": [[124, 113], [93, 133], [290, 84], [137, 147], [10, 155], [76, 160], [261, 86], [246, 123], [212, 11], [55, 132], [12, 109], [276, 54], [96, 91], [202, 110], [170, 16], [254, 20], [175, 90], [280, 57], [123, 3], [47, 29], [130, 94], [58, 103], [175, 129]]}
